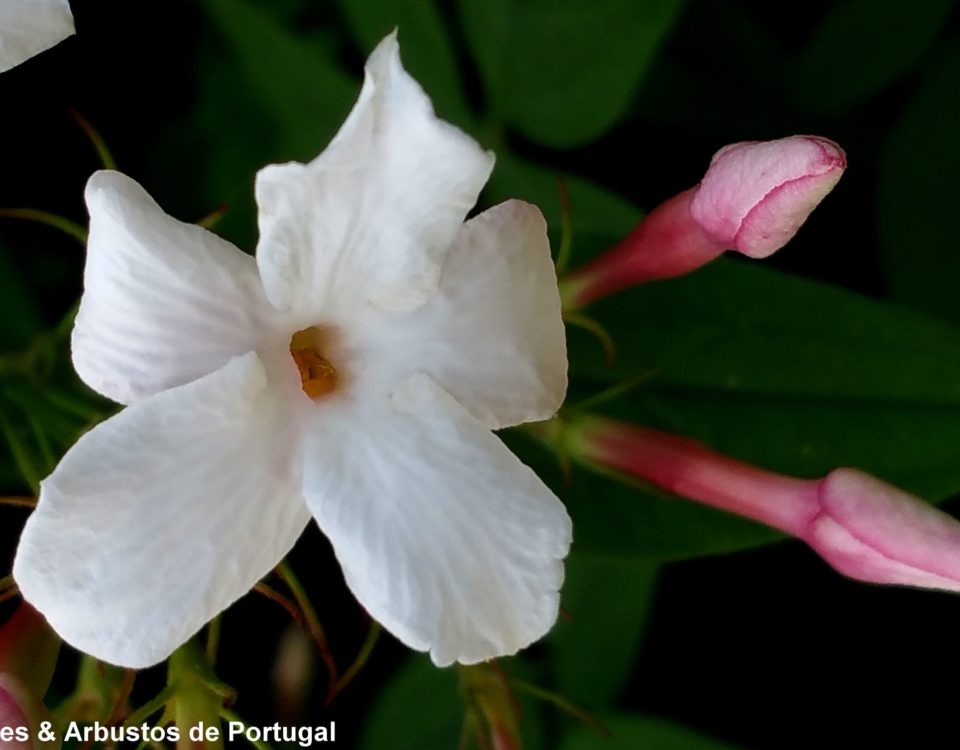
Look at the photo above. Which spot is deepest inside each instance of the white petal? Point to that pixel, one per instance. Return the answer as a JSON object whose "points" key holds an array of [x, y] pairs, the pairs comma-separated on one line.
{"points": [[493, 337], [162, 516], [370, 219], [444, 536], [164, 302], [28, 27]]}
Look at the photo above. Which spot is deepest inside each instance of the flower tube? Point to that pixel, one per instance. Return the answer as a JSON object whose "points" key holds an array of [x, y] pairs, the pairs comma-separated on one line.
{"points": [[862, 526], [753, 199]]}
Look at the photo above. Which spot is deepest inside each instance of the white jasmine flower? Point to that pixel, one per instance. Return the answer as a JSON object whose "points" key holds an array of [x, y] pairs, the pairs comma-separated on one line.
{"points": [[352, 372], [28, 27]]}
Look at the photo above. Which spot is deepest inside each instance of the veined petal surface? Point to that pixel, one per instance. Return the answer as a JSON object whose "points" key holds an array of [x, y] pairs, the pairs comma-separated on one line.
{"points": [[369, 220], [162, 516], [28, 27], [444, 535], [164, 302], [493, 336]]}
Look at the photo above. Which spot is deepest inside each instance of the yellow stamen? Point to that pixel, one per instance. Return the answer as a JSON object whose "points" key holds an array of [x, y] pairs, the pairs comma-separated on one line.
{"points": [[317, 376]]}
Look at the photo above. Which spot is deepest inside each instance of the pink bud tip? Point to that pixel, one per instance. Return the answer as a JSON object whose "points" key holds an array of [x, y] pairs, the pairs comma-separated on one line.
{"points": [[870, 530], [757, 194]]}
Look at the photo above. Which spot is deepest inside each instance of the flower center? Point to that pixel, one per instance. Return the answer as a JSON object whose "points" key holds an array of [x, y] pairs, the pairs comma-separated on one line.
{"points": [[317, 376]]}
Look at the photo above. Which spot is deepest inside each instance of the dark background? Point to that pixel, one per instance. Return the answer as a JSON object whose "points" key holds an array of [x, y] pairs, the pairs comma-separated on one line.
{"points": [[762, 648]]}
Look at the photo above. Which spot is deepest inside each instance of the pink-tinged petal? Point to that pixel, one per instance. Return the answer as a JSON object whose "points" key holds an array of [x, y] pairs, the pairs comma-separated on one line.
{"points": [[757, 194], [164, 302], [368, 222], [28, 27], [444, 536], [850, 556], [162, 516], [493, 335], [891, 524]]}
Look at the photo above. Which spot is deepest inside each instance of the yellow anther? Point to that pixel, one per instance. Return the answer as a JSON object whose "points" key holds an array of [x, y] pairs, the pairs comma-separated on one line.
{"points": [[317, 376]]}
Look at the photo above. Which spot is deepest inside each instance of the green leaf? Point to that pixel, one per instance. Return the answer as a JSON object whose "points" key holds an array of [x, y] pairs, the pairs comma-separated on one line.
{"points": [[861, 47], [399, 721], [742, 328], [595, 210], [425, 47], [20, 319], [564, 73], [596, 641], [398, 718], [918, 195], [634, 731], [295, 77]]}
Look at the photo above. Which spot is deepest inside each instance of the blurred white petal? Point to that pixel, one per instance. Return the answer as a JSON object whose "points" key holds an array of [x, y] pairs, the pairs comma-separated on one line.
{"points": [[28, 27]]}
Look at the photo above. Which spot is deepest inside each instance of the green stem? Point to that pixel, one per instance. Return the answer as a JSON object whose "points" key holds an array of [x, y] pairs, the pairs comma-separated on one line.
{"points": [[563, 704], [213, 640], [20, 456], [122, 704], [275, 596], [591, 326], [614, 391], [18, 502], [106, 158], [312, 621], [566, 227], [50, 219], [229, 715], [148, 709], [369, 643]]}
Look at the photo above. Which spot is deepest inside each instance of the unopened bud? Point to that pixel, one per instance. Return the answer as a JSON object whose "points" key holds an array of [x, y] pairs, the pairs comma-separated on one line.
{"points": [[757, 194], [862, 526], [753, 199], [870, 530]]}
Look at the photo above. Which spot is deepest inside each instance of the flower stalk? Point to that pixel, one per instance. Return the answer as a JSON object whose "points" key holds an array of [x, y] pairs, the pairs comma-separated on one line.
{"points": [[860, 525]]}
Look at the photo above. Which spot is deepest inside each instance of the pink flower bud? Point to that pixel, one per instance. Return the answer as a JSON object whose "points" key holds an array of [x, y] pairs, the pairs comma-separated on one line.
{"points": [[863, 527], [20, 714], [753, 199], [29, 649], [870, 530], [756, 194]]}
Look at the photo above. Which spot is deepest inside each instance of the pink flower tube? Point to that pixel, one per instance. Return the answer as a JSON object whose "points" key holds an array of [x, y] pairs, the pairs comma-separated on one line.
{"points": [[753, 199], [863, 527]]}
